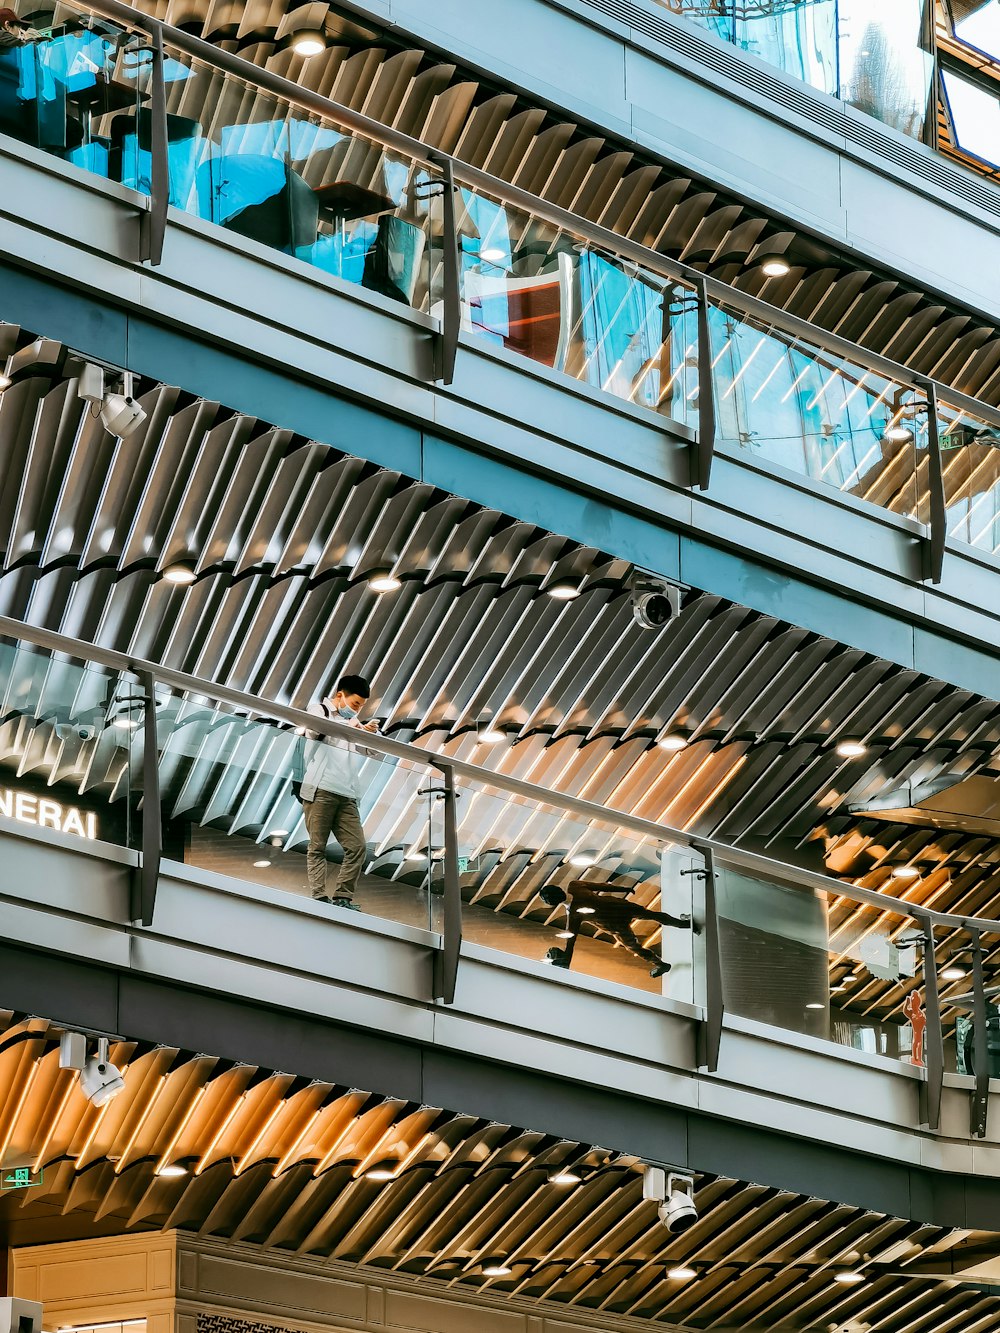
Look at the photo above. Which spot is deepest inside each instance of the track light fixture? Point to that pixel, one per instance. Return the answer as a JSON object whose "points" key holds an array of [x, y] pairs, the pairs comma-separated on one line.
{"points": [[100, 1080], [674, 1193], [119, 411]]}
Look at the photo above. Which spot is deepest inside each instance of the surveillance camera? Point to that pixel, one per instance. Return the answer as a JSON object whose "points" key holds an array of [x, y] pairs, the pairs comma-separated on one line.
{"points": [[100, 1080], [121, 414], [654, 602], [678, 1212], [70, 731]]}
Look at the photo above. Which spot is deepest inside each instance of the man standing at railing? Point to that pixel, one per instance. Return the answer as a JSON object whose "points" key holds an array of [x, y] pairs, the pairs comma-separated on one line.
{"points": [[329, 792]]}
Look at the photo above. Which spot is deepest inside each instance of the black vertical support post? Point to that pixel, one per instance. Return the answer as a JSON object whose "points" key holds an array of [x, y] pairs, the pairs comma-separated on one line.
{"points": [[933, 1035], [706, 395], [154, 222], [451, 319], [144, 884], [981, 1090], [938, 510], [446, 963], [710, 1033]]}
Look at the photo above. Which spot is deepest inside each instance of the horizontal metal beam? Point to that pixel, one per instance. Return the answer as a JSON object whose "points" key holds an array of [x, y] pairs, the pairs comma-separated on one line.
{"points": [[252, 705]]}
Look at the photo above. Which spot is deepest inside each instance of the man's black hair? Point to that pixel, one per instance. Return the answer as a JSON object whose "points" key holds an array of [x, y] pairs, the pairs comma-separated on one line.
{"points": [[354, 685], [552, 895]]}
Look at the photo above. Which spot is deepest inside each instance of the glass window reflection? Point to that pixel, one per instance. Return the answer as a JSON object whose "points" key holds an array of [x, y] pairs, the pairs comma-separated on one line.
{"points": [[884, 69], [977, 24], [975, 116]]}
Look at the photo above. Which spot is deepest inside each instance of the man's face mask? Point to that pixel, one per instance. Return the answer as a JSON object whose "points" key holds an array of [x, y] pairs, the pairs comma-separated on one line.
{"points": [[346, 712]]}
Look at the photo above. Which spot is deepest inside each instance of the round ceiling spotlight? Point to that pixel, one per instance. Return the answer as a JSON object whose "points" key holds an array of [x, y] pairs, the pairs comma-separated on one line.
{"points": [[564, 590], [674, 741], [308, 42], [905, 872], [5, 381], [180, 573], [851, 749], [848, 1277], [776, 267], [897, 434], [815, 1004], [681, 1273], [172, 1171], [953, 973], [384, 580], [583, 860], [564, 1177], [387, 1170], [487, 733], [261, 865], [585, 911], [493, 254], [496, 1266]]}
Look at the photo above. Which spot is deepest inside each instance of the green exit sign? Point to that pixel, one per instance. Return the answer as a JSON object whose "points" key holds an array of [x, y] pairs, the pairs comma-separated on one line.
{"points": [[463, 864], [19, 1178]]}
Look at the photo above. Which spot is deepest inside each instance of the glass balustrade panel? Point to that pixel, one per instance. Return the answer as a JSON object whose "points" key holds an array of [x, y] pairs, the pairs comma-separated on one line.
{"points": [[70, 84], [585, 897], [799, 37], [970, 462], [65, 762], [822, 965], [530, 287], [815, 412], [297, 182], [247, 798], [957, 984]]}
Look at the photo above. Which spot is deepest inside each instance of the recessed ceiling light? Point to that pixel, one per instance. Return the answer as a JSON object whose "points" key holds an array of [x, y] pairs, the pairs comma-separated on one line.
{"points": [[384, 580], [776, 268], [851, 749], [682, 1273], [581, 860], [278, 833], [565, 934], [905, 872], [172, 1171], [953, 973], [179, 573], [308, 42], [487, 735], [897, 434], [383, 1171], [496, 1268], [493, 254], [585, 911], [126, 723], [815, 1004], [673, 741], [261, 864], [564, 1177], [564, 590], [5, 382], [848, 1276]]}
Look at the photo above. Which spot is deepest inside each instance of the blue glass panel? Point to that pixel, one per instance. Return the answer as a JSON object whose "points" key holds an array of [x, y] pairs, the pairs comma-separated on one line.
{"points": [[975, 116]]}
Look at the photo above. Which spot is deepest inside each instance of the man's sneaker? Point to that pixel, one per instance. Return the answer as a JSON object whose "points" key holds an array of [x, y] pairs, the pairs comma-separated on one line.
{"points": [[347, 903], [660, 970], [321, 898]]}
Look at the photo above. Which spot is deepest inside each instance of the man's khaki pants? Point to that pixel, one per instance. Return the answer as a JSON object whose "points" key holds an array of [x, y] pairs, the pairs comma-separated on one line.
{"points": [[338, 815]]}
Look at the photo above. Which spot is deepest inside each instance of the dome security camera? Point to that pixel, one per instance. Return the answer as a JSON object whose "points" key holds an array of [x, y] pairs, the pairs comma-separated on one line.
{"points": [[69, 731], [678, 1212], [654, 602], [121, 414]]}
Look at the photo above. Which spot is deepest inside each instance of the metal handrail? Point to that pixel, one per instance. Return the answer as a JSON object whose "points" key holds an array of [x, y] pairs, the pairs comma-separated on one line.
{"points": [[513, 195], [723, 853]]}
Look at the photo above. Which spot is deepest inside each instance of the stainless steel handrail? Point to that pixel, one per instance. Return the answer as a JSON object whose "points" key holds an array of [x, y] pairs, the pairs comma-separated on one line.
{"points": [[514, 196], [723, 853]]}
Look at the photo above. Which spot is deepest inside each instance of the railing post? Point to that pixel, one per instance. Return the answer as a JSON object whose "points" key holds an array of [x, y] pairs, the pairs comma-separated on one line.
{"points": [[938, 510], [702, 471], [153, 224], [980, 1050], [710, 1031], [145, 882], [451, 313], [446, 962], [930, 1090]]}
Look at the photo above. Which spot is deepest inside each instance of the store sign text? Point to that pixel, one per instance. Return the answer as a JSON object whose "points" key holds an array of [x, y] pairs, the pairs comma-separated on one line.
{"points": [[45, 813]]}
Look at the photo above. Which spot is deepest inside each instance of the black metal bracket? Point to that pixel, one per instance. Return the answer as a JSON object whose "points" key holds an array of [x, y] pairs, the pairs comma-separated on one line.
{"points": [[702, 464], [934, 548], [710, 1031], [979, 1109], [147, 876], [153, 223], [930, 1090], [446, 959], [446, 348]]}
